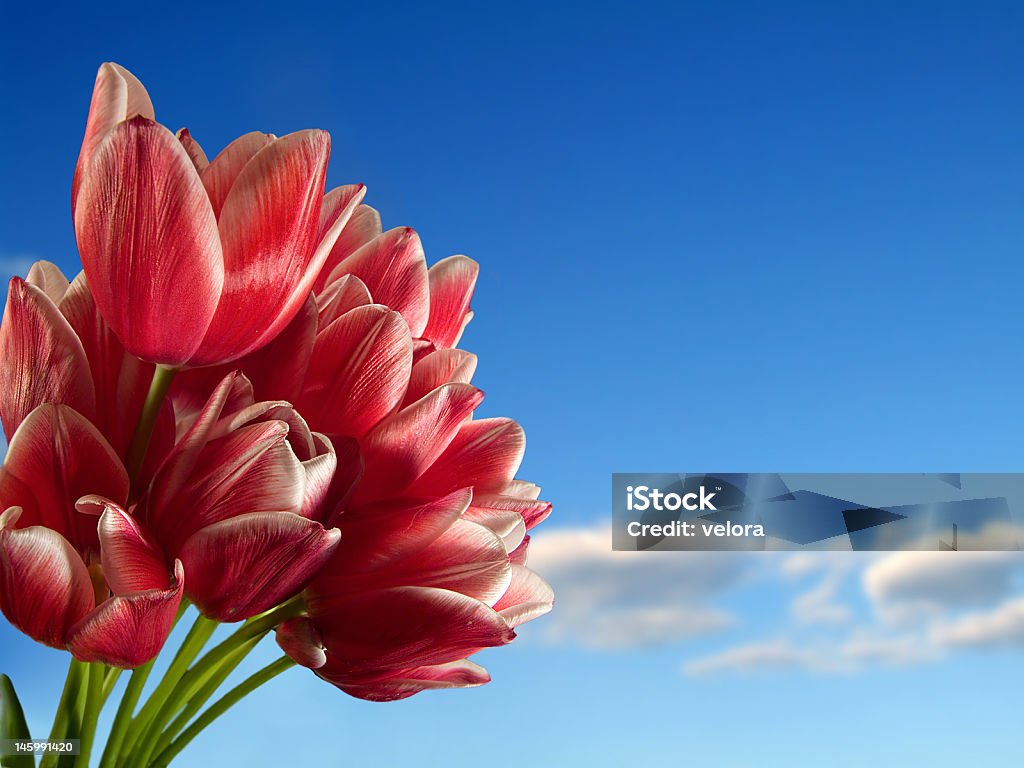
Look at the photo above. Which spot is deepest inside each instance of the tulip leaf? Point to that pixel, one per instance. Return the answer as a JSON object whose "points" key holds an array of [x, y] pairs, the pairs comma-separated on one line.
{"points": [[13, 725]]}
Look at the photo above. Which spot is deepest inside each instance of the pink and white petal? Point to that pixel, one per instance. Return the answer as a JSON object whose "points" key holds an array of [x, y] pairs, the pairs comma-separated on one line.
{"points": [[299, 639], [520, 554], [407, 627], [47, 277], [441, 366], [219, 176], [44, 361], [485, 454], [44, 585], [358, 372], [246, 565], [128, 630], [404, 445], [319, 471], [507, 524], [232, 393], [340, 203], [452, 281], [56, 457], [195, 152], [394, 270], [116, 96], [268, 228], [528, 597], [522, 489], [382, 534], [360, 229], [421, 348], [345, 293], [408, 682], [467, 558], [251, 470], [532, 512], [149, 243], [132, 562]]}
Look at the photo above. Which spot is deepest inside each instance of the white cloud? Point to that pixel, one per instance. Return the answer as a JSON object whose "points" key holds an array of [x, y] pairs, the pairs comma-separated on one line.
{"points": [[759, 657], [820, 612], [1001, 627], [908, 587], [610, 599]]}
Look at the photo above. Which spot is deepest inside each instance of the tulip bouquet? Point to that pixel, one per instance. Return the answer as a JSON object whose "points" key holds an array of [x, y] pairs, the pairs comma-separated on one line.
{"points": [[250, 401]]}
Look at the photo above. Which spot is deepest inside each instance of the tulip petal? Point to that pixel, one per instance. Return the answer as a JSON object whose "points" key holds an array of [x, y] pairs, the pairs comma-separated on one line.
{"points": [[116, 96], [442, 366], [527, 598], [507, 524], [319, 470], [126, 631], [250, 470], [56, 457], [466, 558], [360, 229], [402, 446], [406, 627], [300, 640], [268, 227], [47, 277], [531, 511], [340, 203], [519, 555], [345, 293], [393, 269], [485, 454], [131, 561], [149, 244], [44, 584], [232, 392], [195, 152], [522, 489], [407, 682], [276, 371], [219, 176], [381, 534], [452, 281], [115, 371], [243, 566], [358, 372], [44, 361]]}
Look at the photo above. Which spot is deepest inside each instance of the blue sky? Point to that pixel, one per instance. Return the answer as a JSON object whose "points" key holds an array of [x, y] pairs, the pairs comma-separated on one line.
{"points": [[713, 236]]}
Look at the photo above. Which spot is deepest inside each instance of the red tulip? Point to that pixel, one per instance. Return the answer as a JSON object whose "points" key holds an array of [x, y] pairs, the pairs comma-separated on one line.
{"points": [[431, 564], [390, 265], [239, 501], [100, 588], [194, 263], [57, 349]]}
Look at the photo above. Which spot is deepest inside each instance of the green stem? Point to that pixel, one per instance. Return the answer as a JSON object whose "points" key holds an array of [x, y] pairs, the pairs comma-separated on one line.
{"points": [[144, 726], [63, 725], [221, 706], [162, 378], [253, 629], [112, 676], [123, 718], [93, 704], [209, 687]]}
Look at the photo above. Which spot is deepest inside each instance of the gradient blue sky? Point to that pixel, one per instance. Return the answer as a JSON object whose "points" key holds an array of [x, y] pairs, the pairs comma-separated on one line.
{"points": [[725, 236]]}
